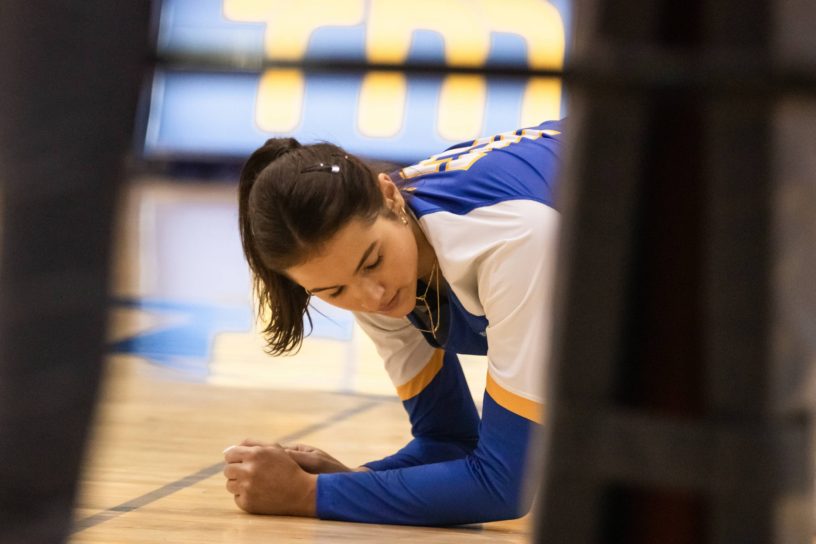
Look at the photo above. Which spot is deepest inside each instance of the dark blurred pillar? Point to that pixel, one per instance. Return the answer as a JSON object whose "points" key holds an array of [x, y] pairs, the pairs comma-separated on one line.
{"points": [[69, 78], [683, 383]]}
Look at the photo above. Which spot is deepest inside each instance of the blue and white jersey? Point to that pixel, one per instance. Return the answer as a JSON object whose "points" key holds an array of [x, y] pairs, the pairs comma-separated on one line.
{"points": [[487, 208]]}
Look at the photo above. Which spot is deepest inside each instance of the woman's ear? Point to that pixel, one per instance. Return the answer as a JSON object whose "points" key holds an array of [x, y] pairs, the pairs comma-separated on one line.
{"points": [[392, 195]]}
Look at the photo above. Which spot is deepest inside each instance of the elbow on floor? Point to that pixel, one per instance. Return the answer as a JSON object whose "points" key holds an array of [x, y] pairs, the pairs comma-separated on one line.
{"points": [[514, 506]]}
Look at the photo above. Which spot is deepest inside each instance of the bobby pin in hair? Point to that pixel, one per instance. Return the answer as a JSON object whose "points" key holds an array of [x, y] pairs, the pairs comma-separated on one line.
{"points": [[323, 167], [331, 168]]}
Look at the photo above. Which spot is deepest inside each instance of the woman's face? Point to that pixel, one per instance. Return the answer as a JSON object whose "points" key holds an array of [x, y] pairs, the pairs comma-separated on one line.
{"points": [[365, 267]]}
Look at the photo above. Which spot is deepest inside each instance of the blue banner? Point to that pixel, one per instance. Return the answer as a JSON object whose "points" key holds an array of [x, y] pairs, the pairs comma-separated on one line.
{"points": [[390, 115]]}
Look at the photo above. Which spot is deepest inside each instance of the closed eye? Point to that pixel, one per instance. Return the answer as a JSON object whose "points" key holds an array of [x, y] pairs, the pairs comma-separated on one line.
{"points": [[367, 268], [375, 264], [337, 293]]}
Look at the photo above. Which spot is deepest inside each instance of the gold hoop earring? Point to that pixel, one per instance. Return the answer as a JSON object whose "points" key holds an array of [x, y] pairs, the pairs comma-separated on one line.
{"points": [[404, 216]]}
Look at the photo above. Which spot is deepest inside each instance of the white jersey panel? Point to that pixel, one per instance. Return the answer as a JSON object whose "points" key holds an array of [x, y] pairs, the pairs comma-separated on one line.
{"points": [[500, 260], [401, 346]]}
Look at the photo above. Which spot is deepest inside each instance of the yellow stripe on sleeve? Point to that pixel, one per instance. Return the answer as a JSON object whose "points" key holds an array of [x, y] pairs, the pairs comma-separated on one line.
{"points": [[526, 408], [420, 381]]}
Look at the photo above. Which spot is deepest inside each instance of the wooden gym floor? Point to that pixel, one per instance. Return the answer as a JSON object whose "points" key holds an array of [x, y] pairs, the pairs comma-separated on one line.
{"points": [[187, 377]]}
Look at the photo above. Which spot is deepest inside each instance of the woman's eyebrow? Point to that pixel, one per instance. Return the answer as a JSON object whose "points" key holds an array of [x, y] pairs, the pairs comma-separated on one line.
{"points": [[364, 258], [366, 253]]}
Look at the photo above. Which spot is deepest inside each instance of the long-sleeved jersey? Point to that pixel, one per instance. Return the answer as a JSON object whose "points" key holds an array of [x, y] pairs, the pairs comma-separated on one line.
{"points": [[487, 208]]}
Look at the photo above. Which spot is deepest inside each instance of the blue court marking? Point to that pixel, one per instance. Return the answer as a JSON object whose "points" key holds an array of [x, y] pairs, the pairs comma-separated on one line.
{"points": [[187, 344]]}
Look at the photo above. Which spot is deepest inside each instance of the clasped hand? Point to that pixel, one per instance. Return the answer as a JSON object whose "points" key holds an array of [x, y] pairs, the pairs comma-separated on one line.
{"points": [[267, 478]]}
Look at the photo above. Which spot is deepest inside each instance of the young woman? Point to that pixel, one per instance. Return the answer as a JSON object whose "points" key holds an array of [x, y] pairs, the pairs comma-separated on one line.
{"points": [[451, 255]]}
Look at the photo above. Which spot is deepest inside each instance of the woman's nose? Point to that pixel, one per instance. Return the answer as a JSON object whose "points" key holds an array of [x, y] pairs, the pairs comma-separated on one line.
{"points": [[371, 294]]}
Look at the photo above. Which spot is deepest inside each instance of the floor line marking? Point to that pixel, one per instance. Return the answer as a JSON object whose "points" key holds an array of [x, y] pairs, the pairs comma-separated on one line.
{"points": [[206, 472]]}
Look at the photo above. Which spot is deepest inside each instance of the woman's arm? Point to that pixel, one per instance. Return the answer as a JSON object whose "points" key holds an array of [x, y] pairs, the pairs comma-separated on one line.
{"points": [[485, 485], [432, 387], [444, 421]]}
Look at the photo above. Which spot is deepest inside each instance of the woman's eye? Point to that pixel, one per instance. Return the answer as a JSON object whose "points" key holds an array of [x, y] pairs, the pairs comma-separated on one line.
{"points": [[375, 264], [336, 293]]}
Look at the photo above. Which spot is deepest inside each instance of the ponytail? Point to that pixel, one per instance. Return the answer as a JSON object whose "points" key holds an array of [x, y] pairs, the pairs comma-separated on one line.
{"points": [[286, 302]]}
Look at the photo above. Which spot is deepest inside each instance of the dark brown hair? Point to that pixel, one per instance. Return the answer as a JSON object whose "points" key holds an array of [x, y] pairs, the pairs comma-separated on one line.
{"points": [[292, 199]]}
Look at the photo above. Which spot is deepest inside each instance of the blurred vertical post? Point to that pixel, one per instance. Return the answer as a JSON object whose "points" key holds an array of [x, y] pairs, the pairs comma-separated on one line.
{"points": [[684, 355], [69, 81]]}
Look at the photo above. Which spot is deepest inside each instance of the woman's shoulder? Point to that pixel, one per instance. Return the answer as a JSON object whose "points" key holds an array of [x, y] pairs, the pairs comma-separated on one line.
{"points": [[492, 249], [507, 222], [522, 164]]}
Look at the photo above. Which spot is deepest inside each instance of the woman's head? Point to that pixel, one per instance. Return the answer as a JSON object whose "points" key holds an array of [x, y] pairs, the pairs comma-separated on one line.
{"points": [[316, 220]]}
